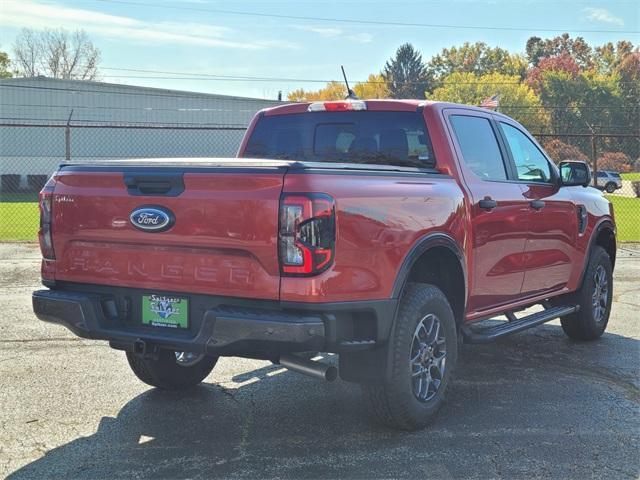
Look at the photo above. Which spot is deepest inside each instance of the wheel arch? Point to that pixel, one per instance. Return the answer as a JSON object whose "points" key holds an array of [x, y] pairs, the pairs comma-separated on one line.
{"points": [[373, 366], [438, 260], [603, 235]]}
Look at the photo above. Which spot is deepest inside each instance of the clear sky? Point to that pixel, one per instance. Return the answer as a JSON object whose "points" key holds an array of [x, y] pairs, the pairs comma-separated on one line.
{"points": [[204, 36]]}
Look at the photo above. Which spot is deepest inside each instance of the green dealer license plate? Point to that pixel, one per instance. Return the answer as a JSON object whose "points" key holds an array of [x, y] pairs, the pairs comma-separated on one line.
{"points": [[165, 311]]}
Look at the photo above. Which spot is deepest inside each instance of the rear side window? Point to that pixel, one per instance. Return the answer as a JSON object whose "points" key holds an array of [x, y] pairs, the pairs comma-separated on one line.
{"points": [[479, 146], [386, 138]]}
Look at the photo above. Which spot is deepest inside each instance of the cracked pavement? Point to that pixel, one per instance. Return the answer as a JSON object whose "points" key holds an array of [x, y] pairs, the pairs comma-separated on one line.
{"points": [[534, 405]]}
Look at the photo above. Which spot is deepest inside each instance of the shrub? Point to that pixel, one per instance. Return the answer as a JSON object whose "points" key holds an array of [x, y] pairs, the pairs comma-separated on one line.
{"points": [[616, 161], [636, 165], [559, 151]]}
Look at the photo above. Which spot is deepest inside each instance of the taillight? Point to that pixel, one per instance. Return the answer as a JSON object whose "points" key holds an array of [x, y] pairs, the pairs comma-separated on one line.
{"points": [[46, 219], [337, 106], [307, 236]]}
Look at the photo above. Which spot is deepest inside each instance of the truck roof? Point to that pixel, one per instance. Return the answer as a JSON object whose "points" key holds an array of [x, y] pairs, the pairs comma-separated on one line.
{"points": [[396, 105]]}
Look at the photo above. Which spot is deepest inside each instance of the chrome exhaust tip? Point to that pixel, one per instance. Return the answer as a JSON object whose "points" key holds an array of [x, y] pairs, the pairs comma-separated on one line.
{"points": [[309, 367]]}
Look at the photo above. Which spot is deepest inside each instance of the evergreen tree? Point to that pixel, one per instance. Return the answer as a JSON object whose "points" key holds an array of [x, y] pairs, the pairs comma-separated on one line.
{"points": [[406, 74]]}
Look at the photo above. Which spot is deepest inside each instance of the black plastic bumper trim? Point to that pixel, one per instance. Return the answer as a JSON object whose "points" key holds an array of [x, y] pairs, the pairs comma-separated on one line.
{"points": [[229, 327]]}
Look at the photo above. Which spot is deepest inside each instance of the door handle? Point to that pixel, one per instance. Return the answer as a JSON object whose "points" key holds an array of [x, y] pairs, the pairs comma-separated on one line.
{"points": [[166, 184], [537, 204], [487, 203]]}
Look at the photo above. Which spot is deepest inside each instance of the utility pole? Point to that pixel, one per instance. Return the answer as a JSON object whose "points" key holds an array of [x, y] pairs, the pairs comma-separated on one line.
{"points": [[67, 138], [594, 153]]}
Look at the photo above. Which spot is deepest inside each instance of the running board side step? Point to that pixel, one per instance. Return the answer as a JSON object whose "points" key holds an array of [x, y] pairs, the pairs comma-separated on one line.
{"points": [[489, 334]]}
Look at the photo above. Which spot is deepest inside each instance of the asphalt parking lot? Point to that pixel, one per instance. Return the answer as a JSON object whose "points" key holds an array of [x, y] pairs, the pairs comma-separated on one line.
{"points": [[535, 405]]}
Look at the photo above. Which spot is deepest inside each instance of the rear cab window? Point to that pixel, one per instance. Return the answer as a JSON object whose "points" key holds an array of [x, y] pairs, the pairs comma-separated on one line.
{"points": [[479, 146], [365, 137]]}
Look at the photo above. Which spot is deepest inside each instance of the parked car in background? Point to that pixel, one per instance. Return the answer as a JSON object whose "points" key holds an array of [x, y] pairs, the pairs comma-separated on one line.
{"points": [[607, 180]]}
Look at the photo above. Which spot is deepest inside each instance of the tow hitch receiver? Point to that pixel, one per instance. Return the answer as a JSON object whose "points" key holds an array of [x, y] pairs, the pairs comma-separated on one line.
{"points": [[145, 349]]}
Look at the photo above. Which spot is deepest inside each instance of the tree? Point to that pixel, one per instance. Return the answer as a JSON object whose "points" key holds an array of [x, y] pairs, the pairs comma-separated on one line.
{"points": [[374, 87], [578, 49], [616, 161], [406, 74], [5, 65], [516, 99], [477, 58], [332, 91], [559, 63], [559, 151], [56, 53], [582, 102], [607, 58], [629, 73]]}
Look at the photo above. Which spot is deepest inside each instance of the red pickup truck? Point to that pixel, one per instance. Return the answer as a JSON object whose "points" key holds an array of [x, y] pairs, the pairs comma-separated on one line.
{"points": [[383, 231]]}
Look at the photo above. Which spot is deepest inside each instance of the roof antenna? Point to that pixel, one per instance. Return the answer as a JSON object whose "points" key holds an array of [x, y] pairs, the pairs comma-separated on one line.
{"points": [[351, 95]]}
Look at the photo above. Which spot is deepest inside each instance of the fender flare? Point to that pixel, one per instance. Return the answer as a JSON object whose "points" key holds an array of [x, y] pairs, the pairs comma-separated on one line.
{"points": [[425, 243], [601, 225]]}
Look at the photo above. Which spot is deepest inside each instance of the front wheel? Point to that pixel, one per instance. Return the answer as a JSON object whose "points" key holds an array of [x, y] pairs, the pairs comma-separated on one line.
{"points": [[594, 299], [172, 370], [610, 188], [423, 354]]}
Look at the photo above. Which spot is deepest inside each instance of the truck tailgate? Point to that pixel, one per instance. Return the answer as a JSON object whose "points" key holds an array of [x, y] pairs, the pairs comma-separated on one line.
{"points": [[223, 240]]}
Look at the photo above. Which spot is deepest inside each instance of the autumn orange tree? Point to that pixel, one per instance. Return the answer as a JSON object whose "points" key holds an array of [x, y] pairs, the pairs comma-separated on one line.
{"points": [[374, 87]]}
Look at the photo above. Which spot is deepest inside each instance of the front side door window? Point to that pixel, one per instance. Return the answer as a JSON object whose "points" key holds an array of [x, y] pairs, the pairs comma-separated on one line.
{"points": [[531, 164]]}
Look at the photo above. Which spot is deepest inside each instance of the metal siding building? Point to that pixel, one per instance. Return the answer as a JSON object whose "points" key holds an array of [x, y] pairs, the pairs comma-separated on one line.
{"points": [[113, 121]]}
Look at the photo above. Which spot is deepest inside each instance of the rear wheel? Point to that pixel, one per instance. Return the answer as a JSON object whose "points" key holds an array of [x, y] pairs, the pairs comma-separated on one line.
{"points": [[172, 370], [594, 299], [610, 187], [423, 355]]}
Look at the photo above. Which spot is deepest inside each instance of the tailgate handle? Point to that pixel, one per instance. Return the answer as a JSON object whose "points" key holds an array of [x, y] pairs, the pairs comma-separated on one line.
{"points": [[164, 184]]}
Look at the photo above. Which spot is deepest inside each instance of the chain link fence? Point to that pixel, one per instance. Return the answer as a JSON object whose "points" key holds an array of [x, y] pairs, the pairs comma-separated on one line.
{"points": [[30, 152], [615, 163]]}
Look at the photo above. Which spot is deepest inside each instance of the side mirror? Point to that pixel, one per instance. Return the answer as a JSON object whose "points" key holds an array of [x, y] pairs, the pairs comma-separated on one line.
{"points": [[574, 174]]}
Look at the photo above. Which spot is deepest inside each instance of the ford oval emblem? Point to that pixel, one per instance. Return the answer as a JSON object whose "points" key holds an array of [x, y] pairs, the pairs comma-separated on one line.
{"points": [[152, 218]]}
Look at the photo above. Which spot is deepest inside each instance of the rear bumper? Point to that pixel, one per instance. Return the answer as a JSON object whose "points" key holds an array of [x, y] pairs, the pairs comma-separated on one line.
{"points": [[220, 325]]}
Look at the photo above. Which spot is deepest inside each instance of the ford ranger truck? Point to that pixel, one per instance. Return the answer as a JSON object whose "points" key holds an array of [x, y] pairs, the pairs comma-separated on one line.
{"points": [[385, 232]]}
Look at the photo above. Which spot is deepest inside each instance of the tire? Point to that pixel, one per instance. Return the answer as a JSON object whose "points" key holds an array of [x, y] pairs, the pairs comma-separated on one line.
{"points": [[610, 187], [395, 401], [589, 322], [167, 373]]}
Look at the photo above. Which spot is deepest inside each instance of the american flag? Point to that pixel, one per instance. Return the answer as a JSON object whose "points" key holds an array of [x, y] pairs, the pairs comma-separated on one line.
{"points": [[491, 102]]}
